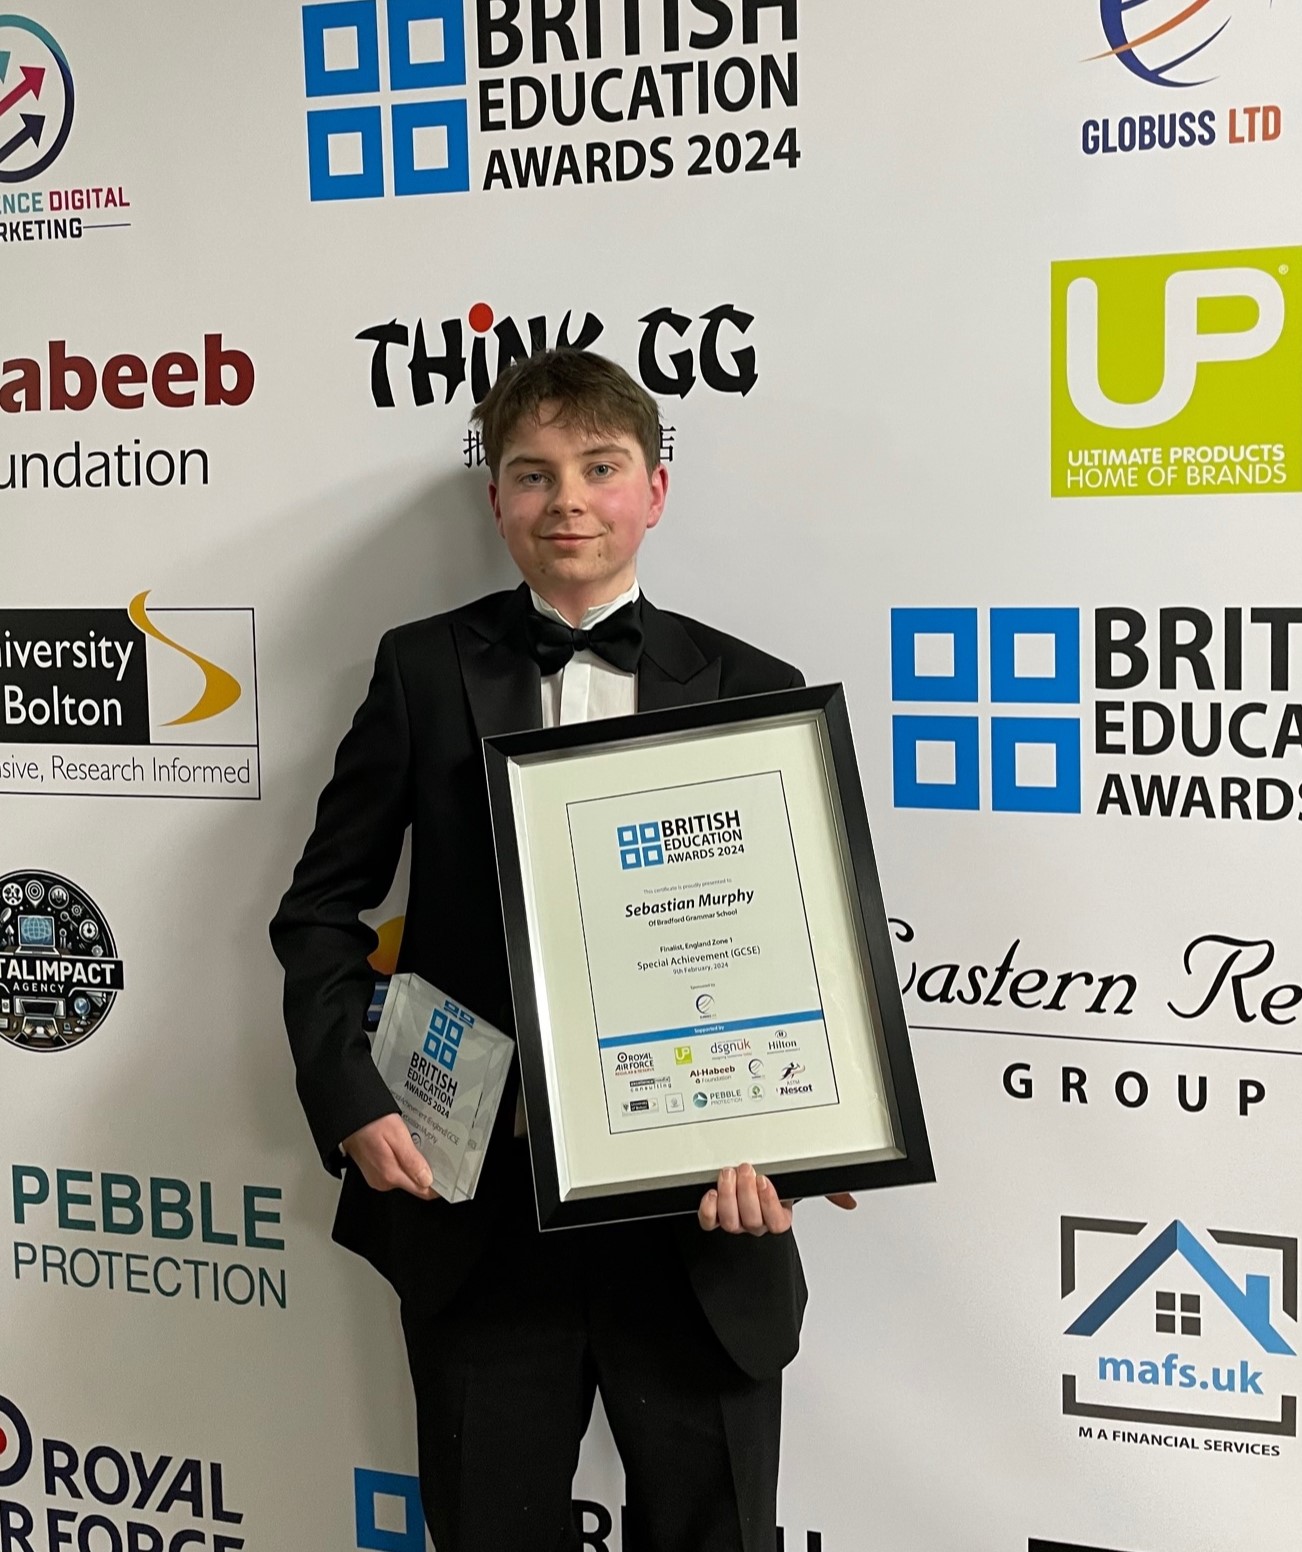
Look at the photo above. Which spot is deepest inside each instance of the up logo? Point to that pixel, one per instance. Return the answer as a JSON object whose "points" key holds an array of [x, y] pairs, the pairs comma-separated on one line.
{"points": [[1177, 374]]}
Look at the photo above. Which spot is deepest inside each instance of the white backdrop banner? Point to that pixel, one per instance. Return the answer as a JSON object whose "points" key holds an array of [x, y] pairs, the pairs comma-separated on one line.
{"points": [[977, 337]]}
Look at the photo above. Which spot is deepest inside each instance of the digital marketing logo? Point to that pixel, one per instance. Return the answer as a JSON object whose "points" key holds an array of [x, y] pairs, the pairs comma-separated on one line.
{"points": [[37, 103], [59, 969], [573, 97], [93, 700], [1177, 374], [640, 845], [427, 126], [1010, 758], [1178, 1331], [443, 1037]]}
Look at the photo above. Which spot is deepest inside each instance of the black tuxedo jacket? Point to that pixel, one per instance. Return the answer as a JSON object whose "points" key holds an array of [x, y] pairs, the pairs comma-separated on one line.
{"points": [[413, 758]]}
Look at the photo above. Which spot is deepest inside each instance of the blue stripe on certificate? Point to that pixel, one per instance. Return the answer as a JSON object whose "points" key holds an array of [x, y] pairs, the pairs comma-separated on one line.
{"points": [[696, 1031]]}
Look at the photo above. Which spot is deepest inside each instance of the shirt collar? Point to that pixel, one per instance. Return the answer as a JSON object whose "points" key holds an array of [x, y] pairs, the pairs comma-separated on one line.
{"points": [[592, 616]]}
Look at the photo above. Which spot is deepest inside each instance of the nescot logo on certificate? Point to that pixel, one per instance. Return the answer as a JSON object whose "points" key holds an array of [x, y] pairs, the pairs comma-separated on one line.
{"points": [[446, 1069], [698, 955]]}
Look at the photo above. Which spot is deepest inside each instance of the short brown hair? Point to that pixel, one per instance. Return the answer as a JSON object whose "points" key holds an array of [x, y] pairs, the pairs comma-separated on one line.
{"points": [[588, 390]]}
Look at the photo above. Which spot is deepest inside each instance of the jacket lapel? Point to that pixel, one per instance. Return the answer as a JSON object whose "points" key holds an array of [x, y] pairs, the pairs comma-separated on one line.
{"points": [[502, 681], [673, 671]]}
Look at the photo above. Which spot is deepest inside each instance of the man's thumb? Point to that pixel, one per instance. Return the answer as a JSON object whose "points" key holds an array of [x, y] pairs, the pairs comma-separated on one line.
{"points": [[412, 1162]]}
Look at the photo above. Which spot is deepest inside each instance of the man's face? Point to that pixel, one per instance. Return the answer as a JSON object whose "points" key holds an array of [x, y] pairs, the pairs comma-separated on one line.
{"points": [[573, 507]]}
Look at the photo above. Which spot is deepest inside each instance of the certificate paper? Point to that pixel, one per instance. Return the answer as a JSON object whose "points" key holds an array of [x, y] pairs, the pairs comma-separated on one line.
{"points": [[705, 996], [700, 959]]}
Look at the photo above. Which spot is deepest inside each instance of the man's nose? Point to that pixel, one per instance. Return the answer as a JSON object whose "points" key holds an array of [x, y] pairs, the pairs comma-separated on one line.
{"points": [[567, 493]]}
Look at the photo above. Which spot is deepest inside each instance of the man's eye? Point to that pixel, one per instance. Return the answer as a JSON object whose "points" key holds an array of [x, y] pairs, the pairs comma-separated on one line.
{"points": [[533, 477], [603, 469]]}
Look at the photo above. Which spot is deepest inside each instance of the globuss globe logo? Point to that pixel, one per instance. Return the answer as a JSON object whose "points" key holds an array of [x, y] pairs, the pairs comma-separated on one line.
{"points": [[1163, 41], [59, 970], [36, 99]]}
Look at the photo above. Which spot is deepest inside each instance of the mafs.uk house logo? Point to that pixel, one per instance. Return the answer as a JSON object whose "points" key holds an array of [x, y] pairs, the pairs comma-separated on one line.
{"points": [[1177, 374], [1169, 1328], [1001, 725], [395, 81]]}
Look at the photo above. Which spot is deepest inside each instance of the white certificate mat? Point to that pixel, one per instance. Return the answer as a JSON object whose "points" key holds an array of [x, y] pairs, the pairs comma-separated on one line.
{"points": [[788, 1025]]}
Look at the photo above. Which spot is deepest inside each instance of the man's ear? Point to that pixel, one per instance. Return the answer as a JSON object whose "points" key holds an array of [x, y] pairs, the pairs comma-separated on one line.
{"points": [[492, 501], [659, 492]]}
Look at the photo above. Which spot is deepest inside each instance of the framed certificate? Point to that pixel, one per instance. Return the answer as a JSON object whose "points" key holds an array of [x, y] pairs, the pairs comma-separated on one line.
{"points": [[700, 961]]}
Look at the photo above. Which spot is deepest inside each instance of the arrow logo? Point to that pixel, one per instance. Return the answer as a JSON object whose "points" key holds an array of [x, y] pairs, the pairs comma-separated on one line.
{"points": [[33, 79], [33, 127]]}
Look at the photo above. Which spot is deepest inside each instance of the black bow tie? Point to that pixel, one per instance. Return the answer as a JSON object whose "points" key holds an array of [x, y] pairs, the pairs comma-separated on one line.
{"points": [[617, 639]]}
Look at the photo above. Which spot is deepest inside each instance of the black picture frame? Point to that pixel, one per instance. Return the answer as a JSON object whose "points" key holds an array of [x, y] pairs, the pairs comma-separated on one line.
{"points": [[912, 1163]]}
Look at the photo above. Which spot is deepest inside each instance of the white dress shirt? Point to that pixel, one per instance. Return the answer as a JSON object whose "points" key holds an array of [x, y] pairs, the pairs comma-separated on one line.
{"points": [[588, 686]]}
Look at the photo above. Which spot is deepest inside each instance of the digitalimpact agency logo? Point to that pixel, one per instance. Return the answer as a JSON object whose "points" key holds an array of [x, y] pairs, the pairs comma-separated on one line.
{"points": [[1174, 1329], [940, 759], [59, 968], [134, 702], [1177, 374]]}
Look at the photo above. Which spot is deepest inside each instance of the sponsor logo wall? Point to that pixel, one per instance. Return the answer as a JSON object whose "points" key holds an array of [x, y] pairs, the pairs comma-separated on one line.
{"points": [[939, 331]]}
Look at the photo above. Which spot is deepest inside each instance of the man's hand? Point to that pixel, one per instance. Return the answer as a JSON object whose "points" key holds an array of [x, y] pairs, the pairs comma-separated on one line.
{"points": [[745, 1203], [388, 1159]]}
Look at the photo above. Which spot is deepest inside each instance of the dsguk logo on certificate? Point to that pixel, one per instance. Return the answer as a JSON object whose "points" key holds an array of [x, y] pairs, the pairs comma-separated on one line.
{"points": [[704, 991]]}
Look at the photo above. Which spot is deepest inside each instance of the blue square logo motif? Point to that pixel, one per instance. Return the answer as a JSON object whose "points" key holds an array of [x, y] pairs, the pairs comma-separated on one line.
{"points": [[983, 756], [394, 1499], [640, 845], [418, 89]]}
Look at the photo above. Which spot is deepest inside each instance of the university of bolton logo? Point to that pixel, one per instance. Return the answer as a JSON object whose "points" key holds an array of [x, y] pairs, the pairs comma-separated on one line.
{"points": [[1177, 1288], [640, 845], [938, 758], [427, 124]]}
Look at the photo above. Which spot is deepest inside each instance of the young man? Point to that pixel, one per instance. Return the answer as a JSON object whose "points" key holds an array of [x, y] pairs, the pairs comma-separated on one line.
{"points": [[684, 1325]]}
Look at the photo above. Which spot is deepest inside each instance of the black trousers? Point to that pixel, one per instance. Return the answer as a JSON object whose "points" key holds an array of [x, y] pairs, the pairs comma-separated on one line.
{"points": [[505, 1377]]}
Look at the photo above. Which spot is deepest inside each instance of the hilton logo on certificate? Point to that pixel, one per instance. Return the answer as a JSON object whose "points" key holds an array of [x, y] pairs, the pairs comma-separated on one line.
{"points": [[696, 939]]}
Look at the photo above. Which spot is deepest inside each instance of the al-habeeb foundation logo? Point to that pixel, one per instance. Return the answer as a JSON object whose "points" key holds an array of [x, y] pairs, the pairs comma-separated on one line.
{"points": [[1171, 1329], [37, 106], [59, 969], [423, 101], [74, 1493], [1193, 712], [1177, 374], [1173, 50], [135, 702]]}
